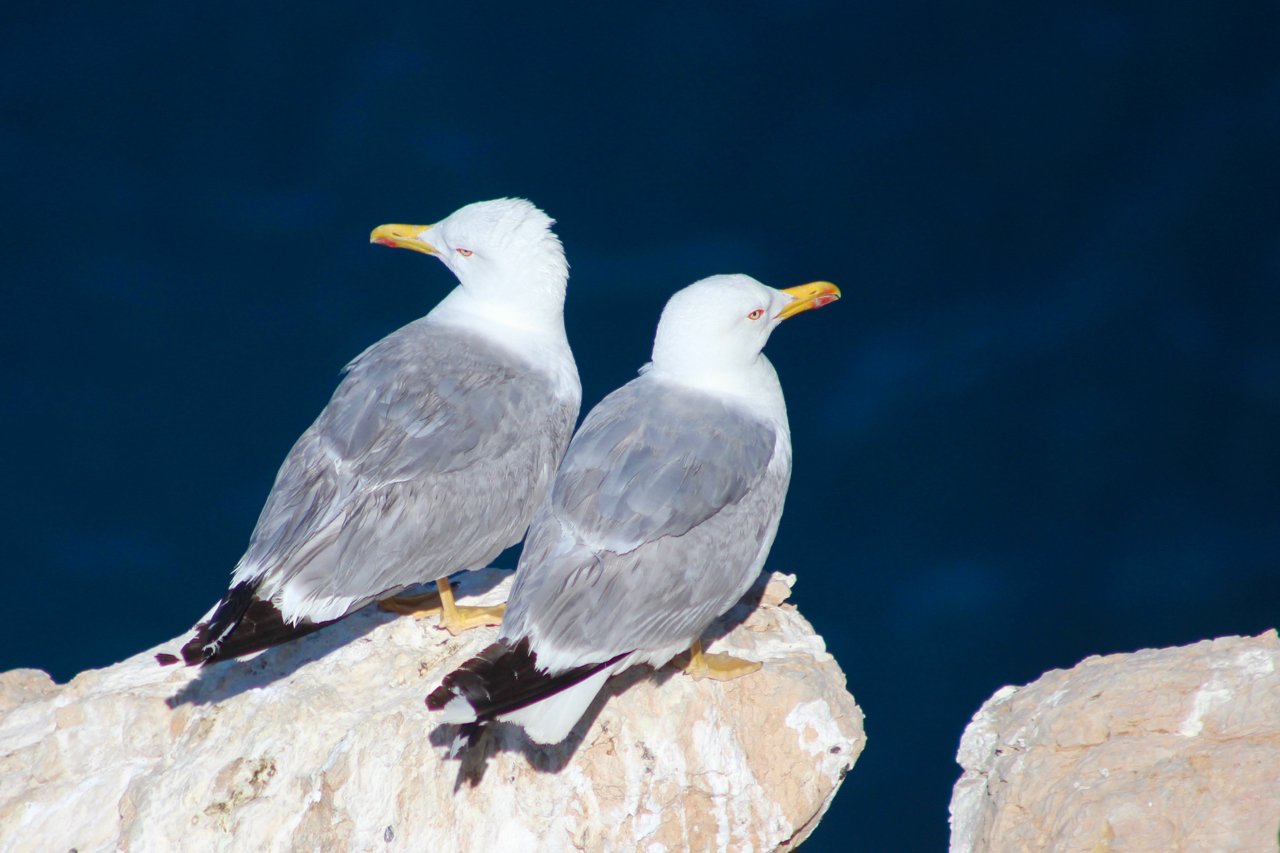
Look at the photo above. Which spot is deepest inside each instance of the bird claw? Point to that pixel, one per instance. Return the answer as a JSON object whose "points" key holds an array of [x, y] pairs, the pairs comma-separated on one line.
{"points": [[453, 618], [466, 618], [719, 666]]}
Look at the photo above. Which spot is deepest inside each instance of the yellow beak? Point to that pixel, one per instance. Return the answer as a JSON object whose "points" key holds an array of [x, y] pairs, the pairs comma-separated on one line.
{"points": [[815, 294], [403, 237]]}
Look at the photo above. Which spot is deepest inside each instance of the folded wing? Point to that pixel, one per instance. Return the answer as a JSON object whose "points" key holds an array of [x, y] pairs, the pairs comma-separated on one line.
{"points": [[434, 436], [657, 520]]}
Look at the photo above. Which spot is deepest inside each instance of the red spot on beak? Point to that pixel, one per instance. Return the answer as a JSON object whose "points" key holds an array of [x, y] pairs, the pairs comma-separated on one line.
{"points": [[818, 302], [385, 241]]}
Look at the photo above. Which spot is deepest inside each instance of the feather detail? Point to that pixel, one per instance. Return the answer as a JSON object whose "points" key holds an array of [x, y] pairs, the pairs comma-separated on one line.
{"points": [[209, 635], [503, 678], [241, 625]]}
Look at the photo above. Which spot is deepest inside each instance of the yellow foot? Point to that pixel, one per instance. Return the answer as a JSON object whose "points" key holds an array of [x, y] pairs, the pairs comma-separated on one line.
{"points": [[720, 666], [453, 618], [465, 618], [416, 606]]}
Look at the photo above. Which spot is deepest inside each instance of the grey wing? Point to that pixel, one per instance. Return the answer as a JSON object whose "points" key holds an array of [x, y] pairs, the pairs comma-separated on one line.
{"points": [[654, 460], [658, 521], [431, 457]]}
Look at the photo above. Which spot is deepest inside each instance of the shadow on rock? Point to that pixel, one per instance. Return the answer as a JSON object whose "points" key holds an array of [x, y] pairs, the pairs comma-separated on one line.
{"points": [[552, 758], [226, 679]]}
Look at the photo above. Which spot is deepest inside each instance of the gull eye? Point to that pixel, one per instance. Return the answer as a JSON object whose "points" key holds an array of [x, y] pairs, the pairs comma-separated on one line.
{"points": [[466, 253], [756, 314]]}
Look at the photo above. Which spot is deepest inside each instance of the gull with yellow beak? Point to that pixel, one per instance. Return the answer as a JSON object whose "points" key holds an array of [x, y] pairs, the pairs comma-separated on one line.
{"points": [[433, 454], [659, 520]]}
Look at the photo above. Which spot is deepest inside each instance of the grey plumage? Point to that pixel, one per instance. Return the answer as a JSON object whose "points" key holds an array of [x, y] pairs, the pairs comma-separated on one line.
{"points": [[654, 525], [429, 458], [438, 445]]}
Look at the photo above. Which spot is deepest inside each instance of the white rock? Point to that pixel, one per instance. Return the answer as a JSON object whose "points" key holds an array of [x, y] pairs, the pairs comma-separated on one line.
{"points": [[1160, 750], [325, 744]]}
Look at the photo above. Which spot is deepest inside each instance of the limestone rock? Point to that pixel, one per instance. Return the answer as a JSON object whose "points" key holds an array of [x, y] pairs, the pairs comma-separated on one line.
{"points": [[1161, 750], [326, 744]]}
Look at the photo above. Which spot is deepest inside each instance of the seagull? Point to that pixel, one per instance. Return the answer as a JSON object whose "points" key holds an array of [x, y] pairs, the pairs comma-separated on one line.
{"points": [[434, 452], [659, 519]]}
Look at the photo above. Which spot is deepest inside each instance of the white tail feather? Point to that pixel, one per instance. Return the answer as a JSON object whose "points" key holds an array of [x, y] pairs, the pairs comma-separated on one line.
{"points": [[550, 720], [457, 712]]}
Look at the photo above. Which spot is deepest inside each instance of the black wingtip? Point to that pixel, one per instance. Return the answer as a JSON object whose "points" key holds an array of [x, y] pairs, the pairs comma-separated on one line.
{"points": [[230, 613], [489, 678], [196, 651], [165, 659], [241, 625], [440, 697], [505, 677]]}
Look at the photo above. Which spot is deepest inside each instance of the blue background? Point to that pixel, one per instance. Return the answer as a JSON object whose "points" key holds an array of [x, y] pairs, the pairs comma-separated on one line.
{"points": [[1043, 423]]}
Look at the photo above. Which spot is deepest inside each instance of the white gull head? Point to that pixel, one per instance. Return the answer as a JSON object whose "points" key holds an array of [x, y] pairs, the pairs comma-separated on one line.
{"points": [[712, 332], [510, 265]]}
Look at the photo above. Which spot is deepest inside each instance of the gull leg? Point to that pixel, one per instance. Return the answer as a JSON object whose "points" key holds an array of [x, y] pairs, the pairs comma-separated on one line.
{"points": [[720, 666], [416, 606], [455, 619]]}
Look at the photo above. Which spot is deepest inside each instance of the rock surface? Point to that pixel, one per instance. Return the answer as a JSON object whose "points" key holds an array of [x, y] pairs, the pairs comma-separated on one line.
{"points": [[1161, 750], [325, 744]]}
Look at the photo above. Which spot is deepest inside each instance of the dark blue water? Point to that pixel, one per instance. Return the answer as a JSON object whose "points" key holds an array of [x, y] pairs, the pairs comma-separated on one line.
{"points": [[1043, 423]]}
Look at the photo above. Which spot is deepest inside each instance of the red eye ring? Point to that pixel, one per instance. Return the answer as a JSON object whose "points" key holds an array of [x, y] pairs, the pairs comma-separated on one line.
{"points": [[756, 314], [466, 253]]}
